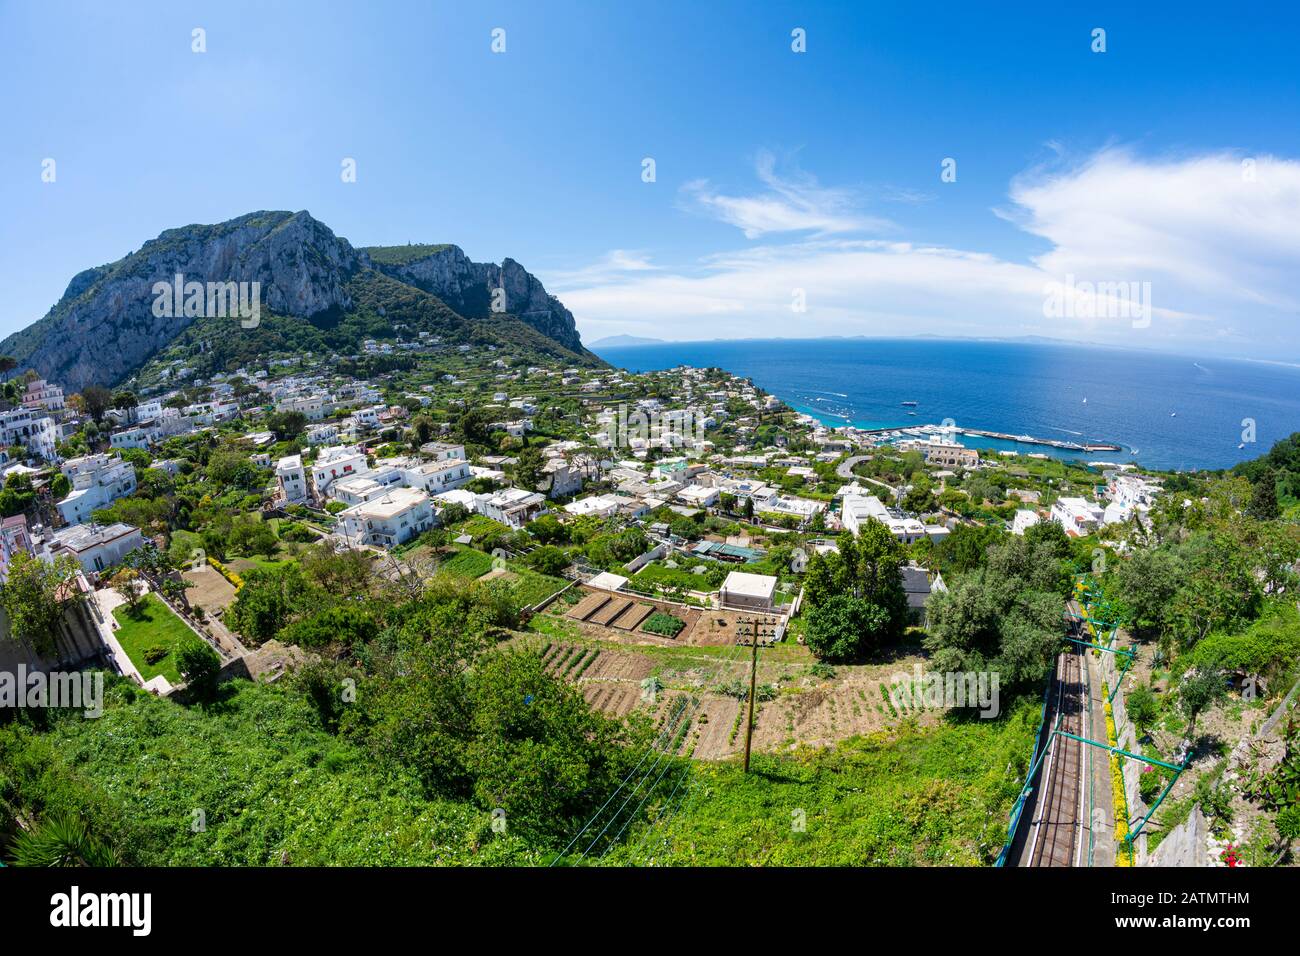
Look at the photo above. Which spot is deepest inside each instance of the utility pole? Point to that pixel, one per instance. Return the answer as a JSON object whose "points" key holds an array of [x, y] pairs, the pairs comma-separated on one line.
{"points": [[758, 628]]}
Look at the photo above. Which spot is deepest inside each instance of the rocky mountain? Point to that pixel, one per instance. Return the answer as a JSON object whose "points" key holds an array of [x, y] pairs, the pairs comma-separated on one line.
{"points": [[108, 323], [445, 271]]}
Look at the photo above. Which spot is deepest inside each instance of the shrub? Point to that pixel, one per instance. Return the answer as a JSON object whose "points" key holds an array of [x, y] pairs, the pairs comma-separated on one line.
{"points": [[199, 665], [1150, 783], [152, 655]]}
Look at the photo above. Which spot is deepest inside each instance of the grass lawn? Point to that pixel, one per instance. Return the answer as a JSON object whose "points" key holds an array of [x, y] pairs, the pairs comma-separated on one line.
{"points": [[153, 624], [530, 587], [243, 565]]}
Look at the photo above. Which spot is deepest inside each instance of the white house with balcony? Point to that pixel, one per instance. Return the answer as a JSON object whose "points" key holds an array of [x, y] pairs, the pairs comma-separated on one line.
{"points": [[443, 451], [1078, 516], [97, 481], [322, 434], [857, 510], [291, 479], [1025, 519], [30, 428], [393, 518], [93, 546], [436, 477], [340, 461], [514, 507], [133, 437]]}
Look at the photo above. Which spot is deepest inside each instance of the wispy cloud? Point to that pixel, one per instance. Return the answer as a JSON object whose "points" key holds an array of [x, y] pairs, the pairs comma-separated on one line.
{"points": [[792, 201], [612, 265]]}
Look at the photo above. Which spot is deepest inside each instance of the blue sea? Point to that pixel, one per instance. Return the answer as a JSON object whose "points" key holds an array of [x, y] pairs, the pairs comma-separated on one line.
{"points": [[1167, 411]]}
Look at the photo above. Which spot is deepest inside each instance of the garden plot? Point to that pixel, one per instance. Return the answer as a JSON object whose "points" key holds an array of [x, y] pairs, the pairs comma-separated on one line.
{"points": [[612, 699], [714, 721]]}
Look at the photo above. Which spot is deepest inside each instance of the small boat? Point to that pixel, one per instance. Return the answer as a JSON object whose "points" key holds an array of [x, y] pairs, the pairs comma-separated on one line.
{"points": [[1085, 401], [911, 413], [913, 404], [1241, 444], [1173, 414]]}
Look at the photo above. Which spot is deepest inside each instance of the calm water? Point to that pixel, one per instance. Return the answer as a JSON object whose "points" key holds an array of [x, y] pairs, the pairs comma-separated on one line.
{"points": [[1167, 411]]}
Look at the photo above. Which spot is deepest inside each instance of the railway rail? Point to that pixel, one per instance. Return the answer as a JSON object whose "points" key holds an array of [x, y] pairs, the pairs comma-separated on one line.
{"points": [[1058, 817]]}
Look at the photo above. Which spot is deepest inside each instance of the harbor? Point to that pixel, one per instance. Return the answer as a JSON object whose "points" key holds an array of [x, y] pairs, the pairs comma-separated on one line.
{"points": [[949, 431]]}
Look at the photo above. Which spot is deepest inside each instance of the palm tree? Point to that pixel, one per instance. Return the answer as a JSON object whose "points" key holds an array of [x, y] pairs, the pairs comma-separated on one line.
{"points": [[61, 841]]}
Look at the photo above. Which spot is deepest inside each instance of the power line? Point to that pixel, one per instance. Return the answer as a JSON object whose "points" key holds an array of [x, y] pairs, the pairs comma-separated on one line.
{"points": [[692, 792]]}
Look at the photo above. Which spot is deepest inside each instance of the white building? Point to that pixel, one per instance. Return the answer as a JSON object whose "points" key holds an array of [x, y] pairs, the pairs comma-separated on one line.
{"points": [[513, 506], [564, 479], [291, 479], [337, 462], [435, 477], [394, 518], [133, 437], [322, 434], [1078, 516], [95, 547], [856, 510], [32, 429], [313, 407], [698, 496], [756, 592], [443, 451], [1024, 520], [97, 480], [600, 506]]}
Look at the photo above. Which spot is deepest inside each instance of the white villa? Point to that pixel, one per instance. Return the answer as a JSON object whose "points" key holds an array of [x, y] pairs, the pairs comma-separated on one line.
{"points": [[394, 518], [97, 480]]}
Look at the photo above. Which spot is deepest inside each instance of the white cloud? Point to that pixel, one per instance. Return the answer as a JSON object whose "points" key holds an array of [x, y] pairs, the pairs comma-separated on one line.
{"points": [[1220, 251], [792, 203], [615, 263]]}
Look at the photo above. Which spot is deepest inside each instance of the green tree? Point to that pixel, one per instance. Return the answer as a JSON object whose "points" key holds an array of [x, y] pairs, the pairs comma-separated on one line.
{"points": [[1146, 585], [548, 529], [98, 400], [548, 559], [868, 570], [1263, 499], [287, 425], [199, 665], [271, 599], [537, 751], [35, 597], [1198, 691], [528, 469]]}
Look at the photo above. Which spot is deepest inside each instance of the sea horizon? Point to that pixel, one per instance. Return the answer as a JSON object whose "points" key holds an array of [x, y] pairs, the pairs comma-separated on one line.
{"points": [[1231, 408]]}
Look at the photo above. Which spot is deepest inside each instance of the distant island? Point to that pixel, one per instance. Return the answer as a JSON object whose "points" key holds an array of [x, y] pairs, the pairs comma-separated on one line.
{"points": [[623, 341]]}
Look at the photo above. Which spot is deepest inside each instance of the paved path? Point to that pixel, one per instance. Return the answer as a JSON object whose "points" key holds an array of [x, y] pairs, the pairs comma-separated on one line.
{"points": [[1100, 823]]}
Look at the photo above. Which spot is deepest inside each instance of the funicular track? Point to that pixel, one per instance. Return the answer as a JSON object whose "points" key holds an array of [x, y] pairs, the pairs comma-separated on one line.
{"points": [[1054, 832]]}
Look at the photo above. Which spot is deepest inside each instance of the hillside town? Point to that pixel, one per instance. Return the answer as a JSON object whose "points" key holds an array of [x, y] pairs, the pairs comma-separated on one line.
{"points": [[714, 474], [630, 535]]}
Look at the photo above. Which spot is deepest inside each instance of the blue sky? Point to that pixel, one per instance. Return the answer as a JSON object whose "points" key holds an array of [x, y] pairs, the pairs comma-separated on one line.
{"points": [[776, 172]]}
